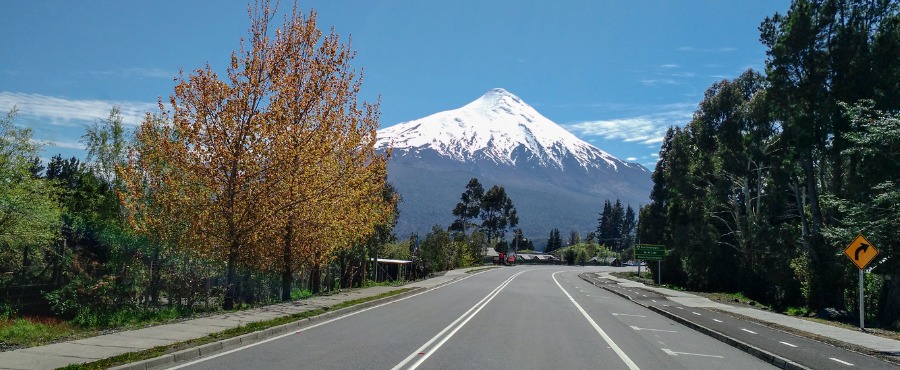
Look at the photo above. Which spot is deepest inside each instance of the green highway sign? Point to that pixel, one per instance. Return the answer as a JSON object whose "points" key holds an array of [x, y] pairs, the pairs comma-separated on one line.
{"points": [[649, 252]]}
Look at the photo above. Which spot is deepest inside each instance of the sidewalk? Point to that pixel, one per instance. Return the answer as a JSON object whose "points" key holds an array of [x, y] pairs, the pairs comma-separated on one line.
{"points": [[81, 351], [869, 341]]}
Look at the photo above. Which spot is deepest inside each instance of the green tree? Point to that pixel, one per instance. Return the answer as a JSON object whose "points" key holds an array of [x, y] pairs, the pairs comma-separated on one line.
{"points": [[629, 223], [497, 213], [107, 145], [821, 53], [468, 208], [437, 250], [29, 212], [878, 167], [554, 242]]}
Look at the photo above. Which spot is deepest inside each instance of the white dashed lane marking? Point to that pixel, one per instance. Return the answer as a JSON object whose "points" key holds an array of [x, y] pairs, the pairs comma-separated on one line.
{"points": [[646, 329], [673, 353], [625, 314], [749, 331], [788, 344], [840, 361]]}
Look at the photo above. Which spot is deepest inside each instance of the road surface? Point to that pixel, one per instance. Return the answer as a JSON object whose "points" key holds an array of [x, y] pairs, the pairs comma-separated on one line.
{"points": [[524, 317]]}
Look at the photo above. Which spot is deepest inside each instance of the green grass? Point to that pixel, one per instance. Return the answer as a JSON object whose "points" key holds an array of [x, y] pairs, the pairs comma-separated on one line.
{"points": [[797, 311], [30, 331], [298, 294], [229, 333], [733, 298], [371, 283], [472, 271], [129, 317]]}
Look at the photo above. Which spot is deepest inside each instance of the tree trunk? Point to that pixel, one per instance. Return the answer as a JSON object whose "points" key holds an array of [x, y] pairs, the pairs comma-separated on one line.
{"points": [[315, 279], [155, 279], [287, 272], [230, 277], [825, 286], [890, 301]]}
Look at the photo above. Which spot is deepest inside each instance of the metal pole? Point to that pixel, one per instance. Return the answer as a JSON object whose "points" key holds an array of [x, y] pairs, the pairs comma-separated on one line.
{"points": [[862, 313], [659, 269]]}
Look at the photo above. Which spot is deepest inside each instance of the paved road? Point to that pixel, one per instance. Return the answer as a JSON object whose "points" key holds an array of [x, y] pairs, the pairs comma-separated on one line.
{"points": [[806, 352], [512, 318]]}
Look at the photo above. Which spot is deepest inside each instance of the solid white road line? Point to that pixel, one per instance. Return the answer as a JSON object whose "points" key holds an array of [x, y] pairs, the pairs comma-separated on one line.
{"points": [[749, 331], [788, 344], [600, 331], [843, 362], [424, 353]]}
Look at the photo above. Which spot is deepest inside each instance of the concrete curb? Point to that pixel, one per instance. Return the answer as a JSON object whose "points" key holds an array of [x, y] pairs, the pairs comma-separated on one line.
{"points": [[759, 353], [173, 358]]}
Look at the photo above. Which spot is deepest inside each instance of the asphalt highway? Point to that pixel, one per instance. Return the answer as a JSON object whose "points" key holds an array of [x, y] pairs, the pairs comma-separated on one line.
{"points": [[803, 351], [524, 317]]}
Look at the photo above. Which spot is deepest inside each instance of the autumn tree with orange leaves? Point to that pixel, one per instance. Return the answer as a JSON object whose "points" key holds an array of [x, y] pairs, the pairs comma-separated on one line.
{"points": [[269, 168]]}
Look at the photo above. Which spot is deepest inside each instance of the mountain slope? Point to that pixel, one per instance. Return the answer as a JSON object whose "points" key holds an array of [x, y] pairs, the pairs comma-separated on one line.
{"points": [[555, 179]]}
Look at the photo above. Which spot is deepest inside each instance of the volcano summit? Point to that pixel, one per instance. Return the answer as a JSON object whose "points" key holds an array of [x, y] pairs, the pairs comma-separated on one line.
{"points": [[555, 179]]}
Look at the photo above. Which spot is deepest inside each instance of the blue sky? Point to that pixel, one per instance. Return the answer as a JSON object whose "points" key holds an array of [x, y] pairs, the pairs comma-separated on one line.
{"points": [[616, 73]]}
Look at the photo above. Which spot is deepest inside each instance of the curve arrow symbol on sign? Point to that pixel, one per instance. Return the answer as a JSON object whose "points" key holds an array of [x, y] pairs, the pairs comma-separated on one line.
{"points": [[863, 247]]}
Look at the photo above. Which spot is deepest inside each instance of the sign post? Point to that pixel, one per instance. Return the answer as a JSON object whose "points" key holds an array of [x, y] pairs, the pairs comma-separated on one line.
{"points": [[861, 252], [651, 252]]}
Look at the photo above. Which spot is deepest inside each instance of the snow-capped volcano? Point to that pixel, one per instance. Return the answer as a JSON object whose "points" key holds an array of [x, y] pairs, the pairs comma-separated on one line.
{"points": [[498, 127], [555, 179]]}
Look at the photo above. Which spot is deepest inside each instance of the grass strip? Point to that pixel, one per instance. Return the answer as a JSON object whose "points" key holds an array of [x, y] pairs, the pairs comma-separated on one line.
{"points": [[472, 271], [226, 334]]}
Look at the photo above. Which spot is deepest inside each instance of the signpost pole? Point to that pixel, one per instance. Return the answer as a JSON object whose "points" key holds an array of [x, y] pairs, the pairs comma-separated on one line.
{"points": [[862, 313], [861, 252], [659, 270]]}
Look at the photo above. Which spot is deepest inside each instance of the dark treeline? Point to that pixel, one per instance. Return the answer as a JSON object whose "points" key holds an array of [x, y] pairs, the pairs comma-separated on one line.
{"points": [[775, 174]]}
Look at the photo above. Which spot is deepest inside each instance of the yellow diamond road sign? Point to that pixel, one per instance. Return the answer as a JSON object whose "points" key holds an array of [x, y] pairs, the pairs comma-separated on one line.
{"points": [[861, 252]]}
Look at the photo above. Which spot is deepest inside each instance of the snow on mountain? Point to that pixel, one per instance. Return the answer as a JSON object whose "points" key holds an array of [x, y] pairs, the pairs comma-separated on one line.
{"points": [[501, 128], [555, 179]]}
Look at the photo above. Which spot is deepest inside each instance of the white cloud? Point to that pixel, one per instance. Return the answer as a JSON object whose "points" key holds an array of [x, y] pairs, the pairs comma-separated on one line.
{"points": [[631, 159], [62, 111], [60, 144], [647, 128], [669, 66], [658, 81], [65, 145]]}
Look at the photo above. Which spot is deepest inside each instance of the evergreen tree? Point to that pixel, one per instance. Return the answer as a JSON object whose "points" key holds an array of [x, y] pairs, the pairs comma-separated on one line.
{"points": [[554, 242], [628, 228]]}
